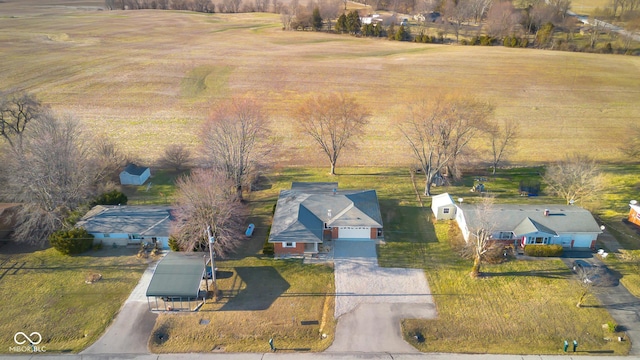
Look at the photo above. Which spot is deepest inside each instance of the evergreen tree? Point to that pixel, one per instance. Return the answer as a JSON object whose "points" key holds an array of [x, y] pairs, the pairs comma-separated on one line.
{"points": [[341, 24], [316, 19], [353, 22]]}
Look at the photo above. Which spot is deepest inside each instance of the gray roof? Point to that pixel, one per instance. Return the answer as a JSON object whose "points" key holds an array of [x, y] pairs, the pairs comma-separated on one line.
{"points": [[302, 211], [177, 275], [523, 219], [126, 219], [134, 169]]}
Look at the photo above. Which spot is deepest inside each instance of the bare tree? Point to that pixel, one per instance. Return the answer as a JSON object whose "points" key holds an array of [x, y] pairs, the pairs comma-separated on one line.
{"points": [[501, 137], [457, 12], [479, 9], [631, 144], [176, 156], [333, 121], [479, 243], [51, 176], [438, 130], [16, 111], [234, 140], [502, 19], [107, 159], [576, 178], [207, 198]]}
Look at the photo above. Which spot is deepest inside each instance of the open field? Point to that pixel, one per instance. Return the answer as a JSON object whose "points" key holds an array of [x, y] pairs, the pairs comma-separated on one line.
{"points": [[45, 292], [149, 78]]}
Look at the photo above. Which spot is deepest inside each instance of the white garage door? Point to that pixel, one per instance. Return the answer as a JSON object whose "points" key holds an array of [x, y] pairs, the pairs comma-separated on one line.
{"points": [[354, 232]]}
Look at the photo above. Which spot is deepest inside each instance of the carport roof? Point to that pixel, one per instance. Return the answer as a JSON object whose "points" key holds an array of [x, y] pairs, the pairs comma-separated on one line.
{"points": [[177, 275]]}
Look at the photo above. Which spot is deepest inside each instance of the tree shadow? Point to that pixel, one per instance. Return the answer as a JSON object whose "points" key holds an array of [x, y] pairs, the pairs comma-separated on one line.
{"points": [[263, 286], [559, 273]]}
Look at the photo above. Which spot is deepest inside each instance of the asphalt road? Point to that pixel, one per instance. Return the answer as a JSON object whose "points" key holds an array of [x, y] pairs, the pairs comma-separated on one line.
{"points": [[621, 304]]}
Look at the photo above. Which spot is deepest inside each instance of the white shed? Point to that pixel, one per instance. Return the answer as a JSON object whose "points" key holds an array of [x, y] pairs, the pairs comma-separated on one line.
{"points": [[134, 175], [443, 207]]}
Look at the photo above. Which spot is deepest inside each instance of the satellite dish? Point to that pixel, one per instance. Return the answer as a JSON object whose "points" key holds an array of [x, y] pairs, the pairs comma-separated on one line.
{"points": [[633, 202], [460, 200], [602, 227]]}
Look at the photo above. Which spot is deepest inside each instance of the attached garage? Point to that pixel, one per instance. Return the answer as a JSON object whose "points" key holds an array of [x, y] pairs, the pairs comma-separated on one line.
{"points": [[354, 232]]}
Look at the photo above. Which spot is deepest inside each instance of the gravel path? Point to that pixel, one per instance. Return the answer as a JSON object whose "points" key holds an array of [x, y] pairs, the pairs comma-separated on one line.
{"points": [[371, 301]]}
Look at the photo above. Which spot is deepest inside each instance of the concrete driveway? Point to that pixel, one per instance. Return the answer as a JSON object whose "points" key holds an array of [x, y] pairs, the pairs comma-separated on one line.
{"points": [[371, 301], [621, 304], [129, 333]]}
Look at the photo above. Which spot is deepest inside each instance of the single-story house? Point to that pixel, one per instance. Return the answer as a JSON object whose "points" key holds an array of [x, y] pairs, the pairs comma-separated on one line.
{"points": [[443, 207], [566, 225], [175, 284], [7, 219], [634, 213], [128, 225], [309, 213], [134, 175]]}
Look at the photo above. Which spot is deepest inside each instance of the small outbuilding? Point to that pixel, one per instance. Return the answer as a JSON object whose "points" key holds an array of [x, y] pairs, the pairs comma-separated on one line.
{"points": [[134, 175], [443, 207], [175, 284]]}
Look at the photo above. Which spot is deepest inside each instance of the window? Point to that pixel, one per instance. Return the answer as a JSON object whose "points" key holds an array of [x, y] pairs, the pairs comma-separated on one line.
{"points": [[106, 235], [289, 245], [445, 210]]}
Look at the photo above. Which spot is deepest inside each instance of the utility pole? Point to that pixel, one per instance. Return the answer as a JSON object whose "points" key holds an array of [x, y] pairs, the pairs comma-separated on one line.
{"points": [[212, 240]]}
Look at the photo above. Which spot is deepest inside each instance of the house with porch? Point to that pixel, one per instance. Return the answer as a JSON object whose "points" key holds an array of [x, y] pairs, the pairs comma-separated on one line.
{"points": [[312, 212], [566, 225]]}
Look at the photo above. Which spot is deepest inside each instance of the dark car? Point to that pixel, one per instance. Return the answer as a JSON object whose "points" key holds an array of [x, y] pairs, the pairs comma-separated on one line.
{"points": [[593, 274]]}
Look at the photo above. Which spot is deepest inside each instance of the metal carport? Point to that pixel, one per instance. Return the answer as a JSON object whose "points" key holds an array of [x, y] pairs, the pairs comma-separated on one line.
{"points": [[175, 284]]}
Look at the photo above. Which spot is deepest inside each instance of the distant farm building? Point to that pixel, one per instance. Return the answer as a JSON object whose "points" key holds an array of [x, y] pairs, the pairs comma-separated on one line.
{"points": [[634, 213]]}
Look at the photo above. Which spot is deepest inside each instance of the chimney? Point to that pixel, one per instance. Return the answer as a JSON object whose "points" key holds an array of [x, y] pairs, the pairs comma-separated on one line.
{"points": [[546, 212]]}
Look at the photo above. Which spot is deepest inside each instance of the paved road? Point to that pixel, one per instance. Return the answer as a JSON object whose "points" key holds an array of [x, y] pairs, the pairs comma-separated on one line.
{"points": [[371, 301], [312, 356], [129, 333]]}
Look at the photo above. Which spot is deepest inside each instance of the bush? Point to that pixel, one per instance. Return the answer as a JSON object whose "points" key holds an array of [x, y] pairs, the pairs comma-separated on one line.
{"points": [[268, 248], [113, 197], [73, 241], [612, 326], [173, 244], [543, 250]]}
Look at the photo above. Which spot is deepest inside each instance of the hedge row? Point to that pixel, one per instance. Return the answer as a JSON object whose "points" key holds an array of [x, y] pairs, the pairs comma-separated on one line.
{"points": [[543, 250]]}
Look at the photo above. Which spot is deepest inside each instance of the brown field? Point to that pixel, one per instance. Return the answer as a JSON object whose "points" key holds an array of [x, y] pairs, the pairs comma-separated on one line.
{"points": [[148, 78]]}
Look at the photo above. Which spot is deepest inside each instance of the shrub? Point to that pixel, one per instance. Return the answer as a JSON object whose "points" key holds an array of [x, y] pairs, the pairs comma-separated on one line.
{"points": [[173, 244], [543, 250], [113, 197], [73, 241], [486, 40], [612, 326], [268, 248]]}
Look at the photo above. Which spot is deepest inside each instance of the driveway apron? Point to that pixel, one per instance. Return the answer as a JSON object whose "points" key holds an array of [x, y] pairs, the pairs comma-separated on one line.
{"points": [[371, 300]]}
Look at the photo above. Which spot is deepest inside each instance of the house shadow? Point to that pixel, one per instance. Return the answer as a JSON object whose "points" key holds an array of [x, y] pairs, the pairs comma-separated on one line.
{"points": [[263, 285]]}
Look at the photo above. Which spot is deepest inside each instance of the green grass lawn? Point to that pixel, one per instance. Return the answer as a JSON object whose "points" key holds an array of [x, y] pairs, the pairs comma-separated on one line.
{"points": [[262, 298], [46, 292]]}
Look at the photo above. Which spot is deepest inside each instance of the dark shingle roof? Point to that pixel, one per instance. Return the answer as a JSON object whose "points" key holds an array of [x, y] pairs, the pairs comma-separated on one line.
{"points": [[134, 169], [302, 211]]}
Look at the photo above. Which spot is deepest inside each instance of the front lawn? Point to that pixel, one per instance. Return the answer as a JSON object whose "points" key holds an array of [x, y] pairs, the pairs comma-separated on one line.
{"points": [[262, 299], [44, 291]]}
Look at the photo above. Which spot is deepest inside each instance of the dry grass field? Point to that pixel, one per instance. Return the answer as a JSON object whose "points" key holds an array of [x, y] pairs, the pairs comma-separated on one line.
{"points": [[149, 78]]}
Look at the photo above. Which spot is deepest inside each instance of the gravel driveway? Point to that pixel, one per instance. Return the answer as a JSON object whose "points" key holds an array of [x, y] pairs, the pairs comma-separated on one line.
{"points": [[371, 301]]}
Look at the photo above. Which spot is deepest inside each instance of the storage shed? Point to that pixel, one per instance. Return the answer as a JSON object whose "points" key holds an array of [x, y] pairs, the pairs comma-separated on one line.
{"points": [[134, 175], [443, 207]]}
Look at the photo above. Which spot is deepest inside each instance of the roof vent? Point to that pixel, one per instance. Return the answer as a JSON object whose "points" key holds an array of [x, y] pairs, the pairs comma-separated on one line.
{"points": [[546, 212], [329, 213]]}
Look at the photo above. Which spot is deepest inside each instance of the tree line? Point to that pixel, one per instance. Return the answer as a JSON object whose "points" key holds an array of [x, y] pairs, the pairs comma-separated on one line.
{"points": [[55, 169]]}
